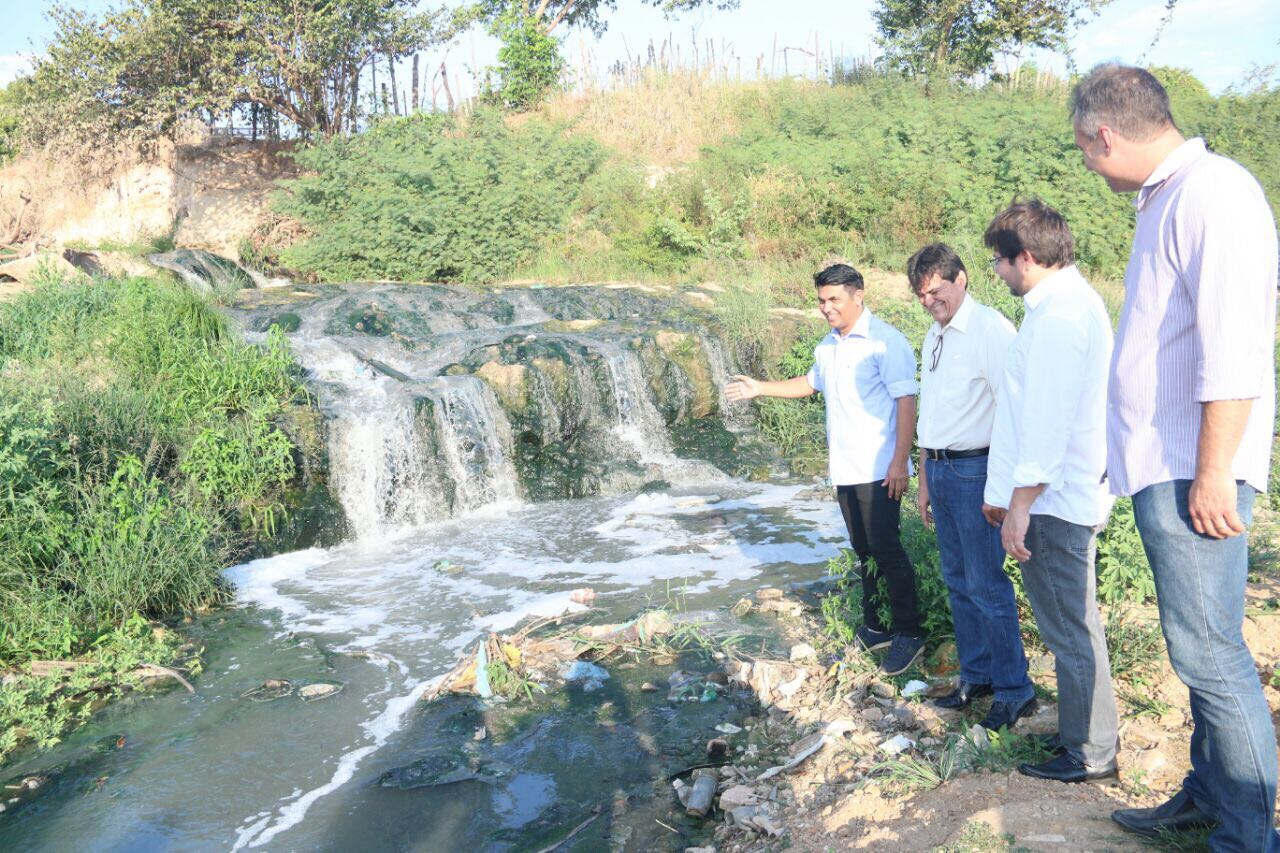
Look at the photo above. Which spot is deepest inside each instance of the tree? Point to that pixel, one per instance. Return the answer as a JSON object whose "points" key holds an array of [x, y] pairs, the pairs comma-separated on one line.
{"points": [[529, 63], [550, 14], [964, 36], [139, 71]]}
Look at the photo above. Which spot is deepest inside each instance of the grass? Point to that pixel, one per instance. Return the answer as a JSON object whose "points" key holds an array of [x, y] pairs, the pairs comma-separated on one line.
{"points": [[141, 447]]}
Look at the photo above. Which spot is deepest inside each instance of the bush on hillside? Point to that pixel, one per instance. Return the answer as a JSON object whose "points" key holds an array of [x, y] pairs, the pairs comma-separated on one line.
{"points": [[137, 436], [430, 198]]}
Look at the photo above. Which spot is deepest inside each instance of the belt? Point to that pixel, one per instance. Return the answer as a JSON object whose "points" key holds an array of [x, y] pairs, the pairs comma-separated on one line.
{"points": [[937, 455]]}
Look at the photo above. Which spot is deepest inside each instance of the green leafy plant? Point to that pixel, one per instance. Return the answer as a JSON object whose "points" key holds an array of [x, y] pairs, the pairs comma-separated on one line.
{"points": [[433, 198]]}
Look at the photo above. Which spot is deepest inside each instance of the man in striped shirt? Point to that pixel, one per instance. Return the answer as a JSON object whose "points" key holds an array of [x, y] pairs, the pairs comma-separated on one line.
{"points": [[1189, 422]]}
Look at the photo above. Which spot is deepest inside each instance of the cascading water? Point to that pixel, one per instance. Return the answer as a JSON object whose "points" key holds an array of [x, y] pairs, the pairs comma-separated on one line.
{"points": [[493, 451], [476, 438]]}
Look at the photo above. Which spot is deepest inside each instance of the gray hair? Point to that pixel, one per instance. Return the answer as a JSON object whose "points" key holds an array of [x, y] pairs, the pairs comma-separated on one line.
{"points": [[1129, 100]]}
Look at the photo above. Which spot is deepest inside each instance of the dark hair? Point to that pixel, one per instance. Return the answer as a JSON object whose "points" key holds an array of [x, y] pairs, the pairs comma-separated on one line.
{"points": [[839, 274], [934, 258], [1129, 100], [1034, 227]]}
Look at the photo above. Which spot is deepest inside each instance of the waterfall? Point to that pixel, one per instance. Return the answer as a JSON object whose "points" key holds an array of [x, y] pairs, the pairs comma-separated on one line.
{"points": [[442, 401], [638, 422], [476, 438]]}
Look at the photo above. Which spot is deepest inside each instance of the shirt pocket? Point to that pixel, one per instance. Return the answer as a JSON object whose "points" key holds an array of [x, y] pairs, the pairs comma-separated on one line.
{"points": [[866, 374]]}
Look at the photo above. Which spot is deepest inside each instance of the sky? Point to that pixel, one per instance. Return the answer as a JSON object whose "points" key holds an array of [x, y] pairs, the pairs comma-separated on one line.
{"points": [[1221, 41]]}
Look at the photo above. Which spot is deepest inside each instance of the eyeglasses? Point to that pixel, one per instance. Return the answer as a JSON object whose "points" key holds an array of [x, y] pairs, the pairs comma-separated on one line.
{"points": [[936, 355], [995, 262]]}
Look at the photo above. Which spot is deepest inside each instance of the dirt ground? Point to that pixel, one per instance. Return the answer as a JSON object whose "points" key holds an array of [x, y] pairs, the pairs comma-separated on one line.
{"points": [[840, 799]]}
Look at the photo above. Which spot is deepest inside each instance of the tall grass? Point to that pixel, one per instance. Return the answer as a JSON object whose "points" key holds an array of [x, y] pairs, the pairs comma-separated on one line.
{"points": [[137, 439]]}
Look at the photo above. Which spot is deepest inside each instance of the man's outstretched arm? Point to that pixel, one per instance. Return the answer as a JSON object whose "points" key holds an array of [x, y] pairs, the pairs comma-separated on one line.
{"points": [[746, 388]]}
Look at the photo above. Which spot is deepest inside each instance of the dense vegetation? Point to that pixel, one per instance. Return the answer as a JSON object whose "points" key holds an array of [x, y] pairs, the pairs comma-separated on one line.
{"points": [[139, 441], [870, 168], [423, 199]]}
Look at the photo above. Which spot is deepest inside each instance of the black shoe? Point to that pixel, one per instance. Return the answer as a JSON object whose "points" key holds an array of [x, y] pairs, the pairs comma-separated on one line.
{"points": [[963, 695], [1176, 815], [904, 651], [1068, 768], [1007, 714], [872, 640], [1050, 741]]}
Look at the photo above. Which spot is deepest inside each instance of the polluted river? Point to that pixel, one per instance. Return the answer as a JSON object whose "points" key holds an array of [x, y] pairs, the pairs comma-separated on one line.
{"points": [[491, 452]]}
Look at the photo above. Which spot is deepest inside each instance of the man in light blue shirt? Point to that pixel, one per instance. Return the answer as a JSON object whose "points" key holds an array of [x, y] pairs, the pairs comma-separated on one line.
{"points": [[866, 373]]}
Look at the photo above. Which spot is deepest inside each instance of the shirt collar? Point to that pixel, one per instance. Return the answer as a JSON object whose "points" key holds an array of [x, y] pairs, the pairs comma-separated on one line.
{"points": [[1184, 155], [1053, 282], [861, 327], [960, 319]]}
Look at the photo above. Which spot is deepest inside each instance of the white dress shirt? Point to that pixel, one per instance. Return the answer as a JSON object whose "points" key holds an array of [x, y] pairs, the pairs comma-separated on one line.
{"points": [[1050, 424], [958, 396], [1198, 323], [860, 376]]}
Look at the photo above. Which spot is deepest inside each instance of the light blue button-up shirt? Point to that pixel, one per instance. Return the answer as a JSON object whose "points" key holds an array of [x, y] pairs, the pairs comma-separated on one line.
{"points": [[860, 376]]}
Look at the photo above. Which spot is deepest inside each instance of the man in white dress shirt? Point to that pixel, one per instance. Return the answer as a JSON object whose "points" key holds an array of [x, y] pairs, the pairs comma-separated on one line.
{"points": [[1044, 477], [964, 352], [1189, 423], [866, 373]]}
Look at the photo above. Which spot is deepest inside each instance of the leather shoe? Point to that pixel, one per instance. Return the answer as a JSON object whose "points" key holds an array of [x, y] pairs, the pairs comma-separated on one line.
{"points": [[1006, 714], [962, 695], [1049, 741], [1177, 814], [1068, 768]]}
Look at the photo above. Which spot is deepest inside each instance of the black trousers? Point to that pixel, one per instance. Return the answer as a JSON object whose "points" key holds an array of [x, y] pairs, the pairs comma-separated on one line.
{"points": [[872, 518]]}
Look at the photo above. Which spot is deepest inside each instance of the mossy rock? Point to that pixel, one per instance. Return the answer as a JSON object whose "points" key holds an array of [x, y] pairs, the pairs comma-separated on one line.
{"points": [[286, 322], [685, 350], [509, 381]]}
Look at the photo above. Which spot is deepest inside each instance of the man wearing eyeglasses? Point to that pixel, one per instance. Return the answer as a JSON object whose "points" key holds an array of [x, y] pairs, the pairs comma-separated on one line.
{"points": [[964, 352], [866, 373], [1044, 478]]}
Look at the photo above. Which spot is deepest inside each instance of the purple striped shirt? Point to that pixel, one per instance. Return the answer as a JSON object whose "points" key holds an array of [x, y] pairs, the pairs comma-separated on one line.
{"points": [[1198, 322]]}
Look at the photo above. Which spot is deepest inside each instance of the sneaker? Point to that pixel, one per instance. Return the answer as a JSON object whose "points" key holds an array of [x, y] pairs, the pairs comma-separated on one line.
{"points": [[903, 652], [871, 640]]}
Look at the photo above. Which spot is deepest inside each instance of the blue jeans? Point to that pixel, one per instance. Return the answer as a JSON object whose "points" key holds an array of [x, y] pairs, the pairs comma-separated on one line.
{"points": [[1200, 586], [983, 608]]}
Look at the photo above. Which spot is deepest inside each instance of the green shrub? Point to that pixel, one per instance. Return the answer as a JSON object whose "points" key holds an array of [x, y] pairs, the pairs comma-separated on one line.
{"points": [[529, 62], [430, 198], [138, 440]]}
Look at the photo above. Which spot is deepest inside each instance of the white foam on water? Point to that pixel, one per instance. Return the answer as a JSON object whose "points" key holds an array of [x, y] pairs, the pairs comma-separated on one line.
{"points": [[378, 729], [504, 566]]}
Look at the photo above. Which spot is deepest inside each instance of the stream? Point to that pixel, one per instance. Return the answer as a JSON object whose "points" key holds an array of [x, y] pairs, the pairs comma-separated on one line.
{"points": [[491, 452]]}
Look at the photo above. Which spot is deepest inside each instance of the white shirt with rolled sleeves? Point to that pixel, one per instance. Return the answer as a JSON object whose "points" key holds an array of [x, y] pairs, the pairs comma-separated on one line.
{"points": [[958, 397], [860, 377], [1198, 322], [1050, 423]]}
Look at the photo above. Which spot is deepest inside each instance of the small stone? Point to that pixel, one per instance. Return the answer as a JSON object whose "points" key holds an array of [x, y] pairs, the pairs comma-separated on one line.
{"points": [[883, 689], [480, 734], [1152, 760], [802, 652], [649, 687], [742, 607], [311, 692], [896, 744], [873, 715], [736, 797], [769, 593]]}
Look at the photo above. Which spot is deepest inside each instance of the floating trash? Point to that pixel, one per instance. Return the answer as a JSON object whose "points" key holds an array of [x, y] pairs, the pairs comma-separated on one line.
{"points": [[319, 690]]}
